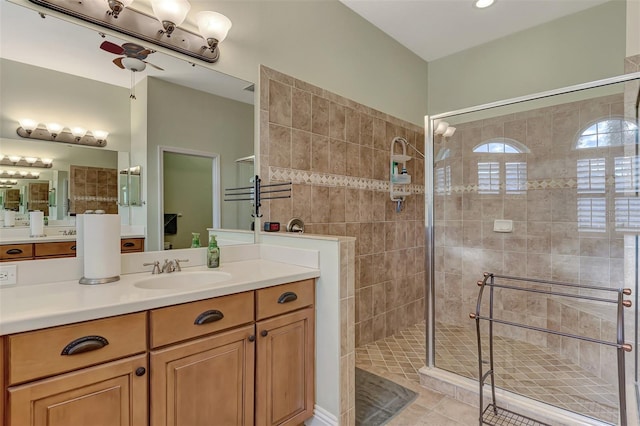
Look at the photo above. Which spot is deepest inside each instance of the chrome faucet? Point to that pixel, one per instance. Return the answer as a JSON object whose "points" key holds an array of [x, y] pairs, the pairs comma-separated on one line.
{"points": [[173, 265], [156, 267], [168, 266]]}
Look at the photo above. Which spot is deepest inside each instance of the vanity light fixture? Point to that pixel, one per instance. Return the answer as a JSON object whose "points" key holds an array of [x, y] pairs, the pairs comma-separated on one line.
{"points": [[121, 17], [59, 133], [17, 160], [443, 128], [8, 182], [20, 175]]}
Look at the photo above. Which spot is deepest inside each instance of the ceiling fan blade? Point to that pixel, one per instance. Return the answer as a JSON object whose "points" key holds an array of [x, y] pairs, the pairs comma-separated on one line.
{"points": [[118, 62], [155, 66], [111, 48]]}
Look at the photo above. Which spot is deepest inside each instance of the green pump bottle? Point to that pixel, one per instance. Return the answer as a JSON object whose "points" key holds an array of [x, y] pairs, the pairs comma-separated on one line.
{"points": [[213, 253]]}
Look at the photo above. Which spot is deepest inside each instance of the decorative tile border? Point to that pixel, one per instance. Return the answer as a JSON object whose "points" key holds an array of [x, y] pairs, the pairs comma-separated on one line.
{"points": [[569, 183], [280, 174], [94, 198]]}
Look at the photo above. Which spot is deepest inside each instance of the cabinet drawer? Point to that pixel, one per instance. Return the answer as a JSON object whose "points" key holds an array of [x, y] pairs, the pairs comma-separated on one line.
{"points": [[284, 298], [42, 353], [131, 245], [16, 251], [182, 322], [60, 249]]}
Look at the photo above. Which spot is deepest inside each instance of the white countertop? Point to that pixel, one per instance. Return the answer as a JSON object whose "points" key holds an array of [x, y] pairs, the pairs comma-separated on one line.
{"points": [[31, 307]]}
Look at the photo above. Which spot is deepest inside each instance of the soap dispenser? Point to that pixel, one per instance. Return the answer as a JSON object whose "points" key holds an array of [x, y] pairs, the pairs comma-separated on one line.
{"points": [[213, 253]]}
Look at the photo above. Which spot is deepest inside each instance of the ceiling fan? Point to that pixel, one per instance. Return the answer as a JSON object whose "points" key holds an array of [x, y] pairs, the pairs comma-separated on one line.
{"points": [[134, 55], [133, 59]]}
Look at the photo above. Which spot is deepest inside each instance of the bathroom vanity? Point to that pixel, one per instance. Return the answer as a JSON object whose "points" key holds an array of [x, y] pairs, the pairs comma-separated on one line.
{"points": [[28, 250], [142, 351]]}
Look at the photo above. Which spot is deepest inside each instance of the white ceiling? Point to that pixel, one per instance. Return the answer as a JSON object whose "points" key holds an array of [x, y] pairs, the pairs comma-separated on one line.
{"points": [[433, 29]]}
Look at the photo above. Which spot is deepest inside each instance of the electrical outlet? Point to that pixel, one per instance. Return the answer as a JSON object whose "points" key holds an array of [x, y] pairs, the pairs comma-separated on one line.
{"points": [[8, 274]]}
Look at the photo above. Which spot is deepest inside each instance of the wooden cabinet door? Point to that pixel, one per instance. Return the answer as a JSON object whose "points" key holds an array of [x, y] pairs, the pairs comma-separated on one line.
{"points": [[205, 382], [111, 394], [285, 369]]}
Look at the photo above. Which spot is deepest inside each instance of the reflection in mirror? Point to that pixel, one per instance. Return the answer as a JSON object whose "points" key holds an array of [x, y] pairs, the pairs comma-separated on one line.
{"points": [[129, 187], [74, 82]]}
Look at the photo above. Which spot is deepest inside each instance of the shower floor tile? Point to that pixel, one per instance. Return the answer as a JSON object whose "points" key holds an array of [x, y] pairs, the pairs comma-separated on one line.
{"points": [[520, 367]]}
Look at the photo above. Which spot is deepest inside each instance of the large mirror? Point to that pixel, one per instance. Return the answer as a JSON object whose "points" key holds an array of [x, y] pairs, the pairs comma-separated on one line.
{"points": [[55, 71]]}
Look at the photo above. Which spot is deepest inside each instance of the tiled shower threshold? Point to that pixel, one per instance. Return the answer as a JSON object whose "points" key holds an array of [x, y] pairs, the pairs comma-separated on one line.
{"points": [[529, 370]]}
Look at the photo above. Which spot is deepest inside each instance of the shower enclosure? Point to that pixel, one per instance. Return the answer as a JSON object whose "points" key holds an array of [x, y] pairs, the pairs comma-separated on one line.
{"points": [[543, 187]]}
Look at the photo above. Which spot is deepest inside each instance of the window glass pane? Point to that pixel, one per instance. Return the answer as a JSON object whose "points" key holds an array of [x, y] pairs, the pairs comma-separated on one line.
{"points": [[627, 212], [591, 130], [592, 214], [510, 149], [496, 147], [591, 175], [489, 177], [626, 173], [587, 141], [516, 177]]}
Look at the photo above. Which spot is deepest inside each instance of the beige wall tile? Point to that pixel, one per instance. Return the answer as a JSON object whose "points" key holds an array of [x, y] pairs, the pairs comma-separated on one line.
{"points": [[320, 115], [301, 110], [279, 103]]}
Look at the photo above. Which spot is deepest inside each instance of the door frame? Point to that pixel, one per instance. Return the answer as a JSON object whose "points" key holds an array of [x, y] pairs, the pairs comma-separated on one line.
{"points": [[215, 176]]}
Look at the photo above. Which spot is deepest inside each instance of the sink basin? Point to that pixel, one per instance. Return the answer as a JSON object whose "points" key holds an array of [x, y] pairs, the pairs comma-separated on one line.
{"points": [[184, 280]]}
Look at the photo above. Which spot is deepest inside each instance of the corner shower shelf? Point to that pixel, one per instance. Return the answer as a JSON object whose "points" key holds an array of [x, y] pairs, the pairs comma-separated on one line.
{"points": [[493, 414]]}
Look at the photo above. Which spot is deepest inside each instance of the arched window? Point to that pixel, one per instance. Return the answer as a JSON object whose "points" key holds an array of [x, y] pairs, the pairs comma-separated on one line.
{"points": [[592, 172], [614, 131], [499, 174], [501, 146]]}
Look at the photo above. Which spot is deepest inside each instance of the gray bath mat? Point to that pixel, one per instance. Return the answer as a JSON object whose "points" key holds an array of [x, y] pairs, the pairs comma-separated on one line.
{"points": [[378, 399]]}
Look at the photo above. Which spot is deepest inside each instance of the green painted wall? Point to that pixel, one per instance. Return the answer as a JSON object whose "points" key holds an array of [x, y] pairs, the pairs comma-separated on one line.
{"points": [[582, 47]]}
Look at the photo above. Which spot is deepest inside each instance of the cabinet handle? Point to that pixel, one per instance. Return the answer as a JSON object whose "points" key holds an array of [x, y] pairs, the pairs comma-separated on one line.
{"points": [[140, 371], [252, 338], [129, 244], [73, 247], [289, 296], [264, 333], [85, 344], [208, 316], [14, 251]]}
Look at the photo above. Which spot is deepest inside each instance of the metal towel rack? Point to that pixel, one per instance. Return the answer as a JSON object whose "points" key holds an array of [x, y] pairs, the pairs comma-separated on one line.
{"points": [[493, 414], [256, 193]]}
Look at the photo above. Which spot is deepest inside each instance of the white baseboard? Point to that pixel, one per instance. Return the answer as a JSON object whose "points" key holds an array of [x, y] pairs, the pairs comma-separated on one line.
{"points": [[322, 417]]}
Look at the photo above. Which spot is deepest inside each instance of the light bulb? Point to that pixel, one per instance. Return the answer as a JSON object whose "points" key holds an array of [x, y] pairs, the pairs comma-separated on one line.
{"points": [[28, 125], [36, 175], [31, 160], [47, 161], [441, 128], [11, 173], [78, 132], [23, 173], [481, 4], [170, 13], [449, 132], [54, 128], [100, 134], [213, 26], [14, 158]]}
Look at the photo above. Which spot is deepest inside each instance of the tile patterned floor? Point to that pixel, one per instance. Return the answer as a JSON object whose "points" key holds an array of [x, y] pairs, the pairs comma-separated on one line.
{"points": [[521, 367]]}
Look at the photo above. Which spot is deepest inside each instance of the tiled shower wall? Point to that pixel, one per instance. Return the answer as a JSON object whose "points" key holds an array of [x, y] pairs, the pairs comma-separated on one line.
{"points": [[93, 188], [545, 243], [336, 153]]}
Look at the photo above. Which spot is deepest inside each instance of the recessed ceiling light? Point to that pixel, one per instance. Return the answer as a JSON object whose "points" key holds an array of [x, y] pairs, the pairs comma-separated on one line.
{"points": [[481, 4]]}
